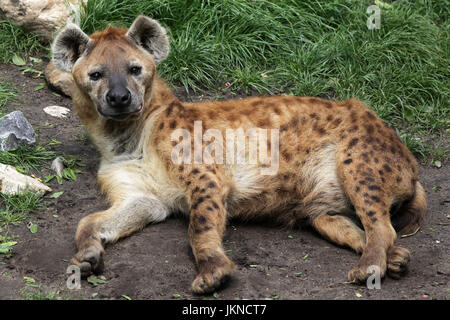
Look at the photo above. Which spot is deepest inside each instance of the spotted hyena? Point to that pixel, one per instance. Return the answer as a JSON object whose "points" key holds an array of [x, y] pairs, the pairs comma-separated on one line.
{"points": [[339, 167]]}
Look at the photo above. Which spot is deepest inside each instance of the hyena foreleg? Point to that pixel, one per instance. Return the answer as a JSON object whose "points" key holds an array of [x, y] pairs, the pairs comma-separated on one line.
{"points": [[122, 219], [206, 228]]}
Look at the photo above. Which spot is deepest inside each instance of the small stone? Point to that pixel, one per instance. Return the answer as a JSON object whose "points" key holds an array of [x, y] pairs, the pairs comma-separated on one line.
{"points": [[15, 130], [13, 182], [58, 166], [57, 111]]}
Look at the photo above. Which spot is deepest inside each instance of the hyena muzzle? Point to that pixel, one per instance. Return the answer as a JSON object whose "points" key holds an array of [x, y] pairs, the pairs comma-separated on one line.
{"points": [[339, 167]]}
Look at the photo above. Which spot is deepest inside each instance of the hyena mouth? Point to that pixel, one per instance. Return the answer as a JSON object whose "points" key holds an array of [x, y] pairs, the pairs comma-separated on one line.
{"points": [[121, 115]]}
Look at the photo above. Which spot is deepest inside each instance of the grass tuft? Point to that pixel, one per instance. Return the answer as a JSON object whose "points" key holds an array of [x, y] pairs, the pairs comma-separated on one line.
{"points": [[16, 40], [27, 158]]}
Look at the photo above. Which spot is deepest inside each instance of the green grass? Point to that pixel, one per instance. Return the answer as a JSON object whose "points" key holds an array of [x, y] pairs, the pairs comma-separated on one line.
{"points": [[37, 293], [16, 40], [14, 210], [7, 93], [27, 159], [314, 48]]}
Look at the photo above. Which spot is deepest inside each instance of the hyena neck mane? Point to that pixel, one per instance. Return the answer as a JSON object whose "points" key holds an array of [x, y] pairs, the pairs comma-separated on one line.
{"points": [[114, 138]]}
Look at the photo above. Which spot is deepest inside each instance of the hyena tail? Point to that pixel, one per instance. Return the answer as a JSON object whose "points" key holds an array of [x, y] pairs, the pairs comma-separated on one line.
{"points": [[410, 216]]}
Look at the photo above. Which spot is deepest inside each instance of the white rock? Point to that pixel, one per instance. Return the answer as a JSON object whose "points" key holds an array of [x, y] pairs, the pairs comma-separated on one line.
{"points": [[57, 111], [43, 17], [13, 182]]}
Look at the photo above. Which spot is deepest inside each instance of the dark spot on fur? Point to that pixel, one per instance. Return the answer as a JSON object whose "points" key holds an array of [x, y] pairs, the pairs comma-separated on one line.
{"points": [[353, 143], [369, 128], [374, 220], [209, 209], [371, 213], [314, 116], [286, 155], [370, 115], [348, 161], [215, 204], [387, 168], [336, 122], [357, 189], [172, 124], [212, 184], [201, 230], [320, 130], [375, 198], [161, 126], [195, 171], [202, 219], [329, 117], [399, 179], [374, 187], [264, 123], [276, 110]]}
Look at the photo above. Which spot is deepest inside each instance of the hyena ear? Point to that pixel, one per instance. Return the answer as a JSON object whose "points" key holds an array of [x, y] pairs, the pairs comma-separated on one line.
{"points": [[151, 36], [68, 46]]}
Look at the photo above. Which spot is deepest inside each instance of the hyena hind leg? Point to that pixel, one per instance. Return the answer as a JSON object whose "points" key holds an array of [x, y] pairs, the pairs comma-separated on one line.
{"points": [[108, 226], [341, 230]]}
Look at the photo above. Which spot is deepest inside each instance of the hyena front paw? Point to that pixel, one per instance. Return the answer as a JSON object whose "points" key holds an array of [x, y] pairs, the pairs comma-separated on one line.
{"points": [[214, 271], [89, 260], [397, 261], [370, 262]]}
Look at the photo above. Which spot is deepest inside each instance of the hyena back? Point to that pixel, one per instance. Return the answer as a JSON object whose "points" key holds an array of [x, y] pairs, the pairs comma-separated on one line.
{"points": [[339, 167]]}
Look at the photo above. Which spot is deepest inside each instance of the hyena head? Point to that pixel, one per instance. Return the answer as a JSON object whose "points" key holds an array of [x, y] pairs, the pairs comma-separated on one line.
{"points": [[115, 67]]}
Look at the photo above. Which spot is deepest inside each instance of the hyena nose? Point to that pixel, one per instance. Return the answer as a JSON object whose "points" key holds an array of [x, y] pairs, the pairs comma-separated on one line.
{"points": [[118, 97]]}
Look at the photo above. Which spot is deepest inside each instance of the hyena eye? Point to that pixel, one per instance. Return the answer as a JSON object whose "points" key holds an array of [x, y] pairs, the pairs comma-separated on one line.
{"points": [[95, 76], [135, 71]]}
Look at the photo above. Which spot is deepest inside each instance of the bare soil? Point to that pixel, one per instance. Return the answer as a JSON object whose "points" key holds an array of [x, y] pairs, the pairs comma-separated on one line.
{"points": [[157, 262]]}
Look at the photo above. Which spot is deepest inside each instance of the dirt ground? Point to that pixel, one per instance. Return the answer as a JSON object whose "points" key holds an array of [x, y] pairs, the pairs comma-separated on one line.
{"points": [[157, 262]]}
